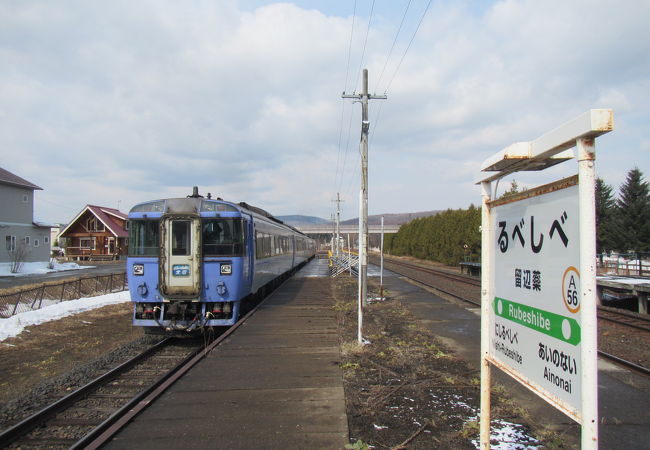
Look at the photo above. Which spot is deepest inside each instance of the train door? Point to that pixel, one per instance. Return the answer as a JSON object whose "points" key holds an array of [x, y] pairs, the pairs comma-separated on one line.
{"points": [[250, 250], [182, 259]]}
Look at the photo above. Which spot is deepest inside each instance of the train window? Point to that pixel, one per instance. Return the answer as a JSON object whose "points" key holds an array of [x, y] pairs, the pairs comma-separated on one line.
{"points": [[212, 206], [223, 237], [143, 238], [181, 237], [264, 245], [259, 245], [157, 206]]}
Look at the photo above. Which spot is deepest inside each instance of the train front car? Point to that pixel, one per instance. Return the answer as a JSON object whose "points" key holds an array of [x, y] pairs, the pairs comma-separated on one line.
{"points": [[189, 265]]}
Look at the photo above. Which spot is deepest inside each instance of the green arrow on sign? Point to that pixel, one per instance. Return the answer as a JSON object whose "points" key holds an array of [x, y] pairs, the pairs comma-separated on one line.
{"points": [[563, 328]]}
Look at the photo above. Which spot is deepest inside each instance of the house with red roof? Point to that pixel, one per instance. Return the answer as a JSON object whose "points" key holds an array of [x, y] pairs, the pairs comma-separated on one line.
{"points": [[96, 233]]}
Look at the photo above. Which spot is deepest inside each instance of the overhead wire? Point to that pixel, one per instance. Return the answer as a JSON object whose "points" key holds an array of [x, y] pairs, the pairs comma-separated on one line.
{"points": [[347, 76], [363, 52], [378, 114], [424, 13], [347, 149], [408, 47], [357, 175], [390, 52]]}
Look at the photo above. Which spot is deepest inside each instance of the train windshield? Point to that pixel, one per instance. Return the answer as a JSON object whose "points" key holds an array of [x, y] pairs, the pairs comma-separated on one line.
{"points": [[143, 237], [223, 237], [181, 237]]}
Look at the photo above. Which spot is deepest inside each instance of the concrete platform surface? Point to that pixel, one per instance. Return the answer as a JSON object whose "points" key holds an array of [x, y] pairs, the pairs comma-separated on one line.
{"points": [[275, 383], [624, 396]]}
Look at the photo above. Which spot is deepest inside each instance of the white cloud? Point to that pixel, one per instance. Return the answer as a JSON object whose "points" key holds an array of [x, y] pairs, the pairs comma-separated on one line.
{"points": [[101, 103]]}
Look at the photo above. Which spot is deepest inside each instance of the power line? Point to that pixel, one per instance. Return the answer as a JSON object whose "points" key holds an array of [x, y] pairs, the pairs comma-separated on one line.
{"points": [[347, 150], [376, 122], [363, 53], [347, 70], [408, 47], [390, 52], [347, 76], [355, 175]]}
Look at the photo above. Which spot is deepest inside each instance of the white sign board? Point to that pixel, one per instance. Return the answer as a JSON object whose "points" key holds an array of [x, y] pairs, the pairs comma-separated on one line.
{"points": [[538, 289], [534, 319]]}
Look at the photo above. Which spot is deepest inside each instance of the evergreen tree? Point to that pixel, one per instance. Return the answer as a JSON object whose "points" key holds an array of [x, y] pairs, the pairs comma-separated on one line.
{"points": [[514, 189], [447, 237], [606, 236], [634, 213]]}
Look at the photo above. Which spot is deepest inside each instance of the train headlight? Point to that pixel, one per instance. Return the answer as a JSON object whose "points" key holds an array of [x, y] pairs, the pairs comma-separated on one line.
{"points": [[138, 269], [226, 269]]}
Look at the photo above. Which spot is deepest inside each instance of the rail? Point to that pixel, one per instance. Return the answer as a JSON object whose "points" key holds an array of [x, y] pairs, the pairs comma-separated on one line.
{"points": [[448, 283], [38, 297], [41, 417], [103, 433]]}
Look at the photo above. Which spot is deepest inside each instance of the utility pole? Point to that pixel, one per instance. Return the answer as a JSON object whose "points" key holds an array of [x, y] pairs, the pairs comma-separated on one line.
{"points": [[338, 225], [381, 268], [349, 255], [363, 217], [332, 244]]}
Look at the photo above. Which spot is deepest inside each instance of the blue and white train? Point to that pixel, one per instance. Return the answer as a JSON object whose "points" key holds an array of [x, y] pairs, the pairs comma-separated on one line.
{"points": [[194, 261]]}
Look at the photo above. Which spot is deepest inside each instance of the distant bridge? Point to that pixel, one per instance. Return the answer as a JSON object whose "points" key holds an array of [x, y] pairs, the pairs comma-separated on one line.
{"points": [[345, 229]]}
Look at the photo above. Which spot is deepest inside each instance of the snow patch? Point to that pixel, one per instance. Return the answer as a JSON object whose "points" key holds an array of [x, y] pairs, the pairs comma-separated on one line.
{"points": [[15, 325], [32, 268]]}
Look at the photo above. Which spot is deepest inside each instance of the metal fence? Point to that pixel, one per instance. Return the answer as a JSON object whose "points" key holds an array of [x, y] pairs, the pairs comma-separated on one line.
{"points": [[347, 262], [48, 294], [625, 264]]}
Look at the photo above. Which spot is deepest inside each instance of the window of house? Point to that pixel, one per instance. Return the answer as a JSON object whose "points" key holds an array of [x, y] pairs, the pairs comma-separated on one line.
{"points": [[88, 243], [46, 240], [36, 243], [11, 243], [94, 224], [27, 240], [25, 198]]}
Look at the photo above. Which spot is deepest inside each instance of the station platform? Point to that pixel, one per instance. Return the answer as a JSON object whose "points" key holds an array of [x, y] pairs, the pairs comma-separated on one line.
{"points": [[275, 383], [623, 396], [638, 287]]}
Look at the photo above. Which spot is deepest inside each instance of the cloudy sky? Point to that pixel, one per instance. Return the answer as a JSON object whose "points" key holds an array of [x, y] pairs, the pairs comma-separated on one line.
{"points": [[115, 103]]}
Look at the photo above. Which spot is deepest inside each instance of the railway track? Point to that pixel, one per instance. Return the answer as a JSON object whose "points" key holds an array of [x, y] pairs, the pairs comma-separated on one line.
{"points": [[622, 317], [468, 289], [461, 287], [93, 414], [70, 419]]}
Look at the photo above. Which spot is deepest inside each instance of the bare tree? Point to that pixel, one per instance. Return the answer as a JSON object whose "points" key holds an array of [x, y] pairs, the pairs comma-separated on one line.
{"points": [[18, 256]]}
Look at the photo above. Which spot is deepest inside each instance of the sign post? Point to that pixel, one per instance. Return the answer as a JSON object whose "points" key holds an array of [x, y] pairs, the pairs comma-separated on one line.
{"points": [[538, 293]]}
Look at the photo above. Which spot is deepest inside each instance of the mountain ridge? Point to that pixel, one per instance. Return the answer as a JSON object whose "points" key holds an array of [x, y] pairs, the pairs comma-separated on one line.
{"points": [[297, 220]]}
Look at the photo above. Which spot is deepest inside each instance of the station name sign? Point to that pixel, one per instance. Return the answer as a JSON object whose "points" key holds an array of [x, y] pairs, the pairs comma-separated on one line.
{"points": [[535, 313]]}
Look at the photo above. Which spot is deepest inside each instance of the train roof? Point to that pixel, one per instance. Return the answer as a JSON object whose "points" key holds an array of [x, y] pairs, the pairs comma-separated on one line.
{"points": [[197, 203]]}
